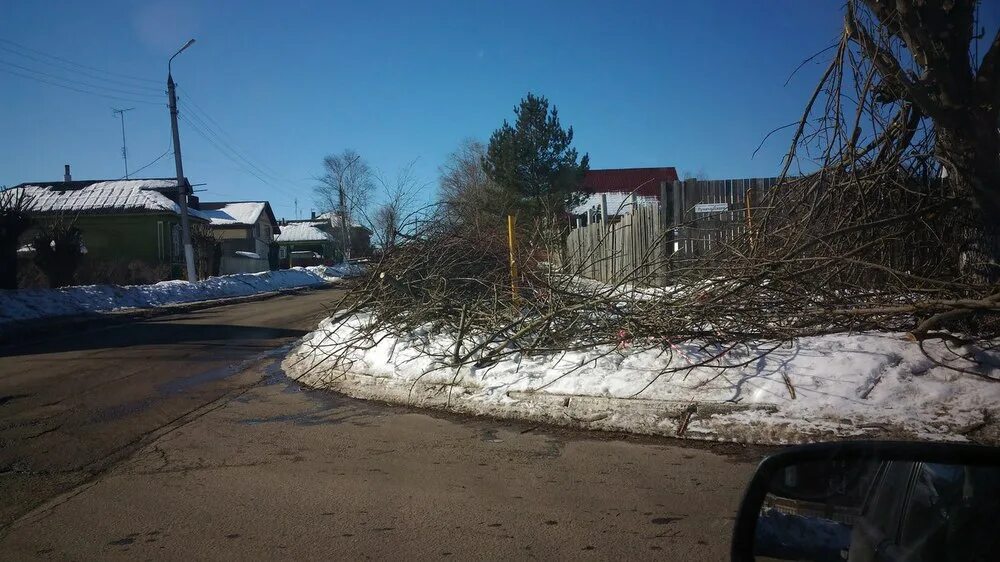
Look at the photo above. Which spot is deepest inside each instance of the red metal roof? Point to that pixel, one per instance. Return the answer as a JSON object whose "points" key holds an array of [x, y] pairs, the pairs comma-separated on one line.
{"points": [[643, 181]]}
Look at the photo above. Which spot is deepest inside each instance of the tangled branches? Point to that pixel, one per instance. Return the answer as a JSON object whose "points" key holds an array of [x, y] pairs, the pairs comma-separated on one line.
{"points": [[875, 225]]}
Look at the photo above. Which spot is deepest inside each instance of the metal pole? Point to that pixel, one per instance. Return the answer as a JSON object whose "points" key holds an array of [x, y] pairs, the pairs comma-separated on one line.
{"points": [[192, 275], [512, 244]]}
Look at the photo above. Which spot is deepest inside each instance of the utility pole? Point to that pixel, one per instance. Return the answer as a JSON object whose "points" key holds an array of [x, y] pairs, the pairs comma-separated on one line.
{"points": [[344, 241], [121, 113], [345, 233], [192, 275]]}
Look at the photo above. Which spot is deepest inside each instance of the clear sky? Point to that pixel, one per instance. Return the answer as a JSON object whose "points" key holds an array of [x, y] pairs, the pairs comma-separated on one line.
{"points": [[695, 84]]}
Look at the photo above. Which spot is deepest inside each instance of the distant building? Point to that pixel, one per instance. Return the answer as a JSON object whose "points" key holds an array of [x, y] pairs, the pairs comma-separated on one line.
{"points": [[317, 240], [361, 236], [618, 185], [305, 243], [246, 230]]}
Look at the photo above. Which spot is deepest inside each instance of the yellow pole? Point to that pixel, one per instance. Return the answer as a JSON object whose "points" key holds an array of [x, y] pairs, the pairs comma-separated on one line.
{"points": [[512, 244]]}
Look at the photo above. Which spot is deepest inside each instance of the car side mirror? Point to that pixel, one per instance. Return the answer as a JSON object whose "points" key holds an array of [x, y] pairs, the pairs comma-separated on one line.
{"points": [[872, 501]]}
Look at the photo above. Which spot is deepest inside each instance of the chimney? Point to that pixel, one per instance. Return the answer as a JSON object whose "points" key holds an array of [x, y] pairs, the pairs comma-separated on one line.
{"points": [[66, 175], [313, 213]]}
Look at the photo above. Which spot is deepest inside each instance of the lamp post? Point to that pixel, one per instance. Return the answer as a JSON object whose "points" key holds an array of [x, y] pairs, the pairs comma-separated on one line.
{"points": [[192, 275]]}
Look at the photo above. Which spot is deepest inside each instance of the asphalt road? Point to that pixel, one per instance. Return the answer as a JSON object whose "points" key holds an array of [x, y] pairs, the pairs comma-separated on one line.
{"points": [[178, 437]]}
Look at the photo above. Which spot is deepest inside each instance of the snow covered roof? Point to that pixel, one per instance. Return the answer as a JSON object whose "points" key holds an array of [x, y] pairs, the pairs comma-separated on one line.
{"points": [[103, 197], [233, 213], [303, 232], [618, 203]]}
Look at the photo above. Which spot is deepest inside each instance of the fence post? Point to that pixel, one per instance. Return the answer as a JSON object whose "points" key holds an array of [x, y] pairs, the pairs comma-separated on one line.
{"points": [[664, 233], [511, 241], [604, 240], [680, 243]]}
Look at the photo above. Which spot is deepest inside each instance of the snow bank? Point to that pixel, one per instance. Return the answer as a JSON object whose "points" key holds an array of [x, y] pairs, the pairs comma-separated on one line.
{"points": [[30, 304], [834, 386]]}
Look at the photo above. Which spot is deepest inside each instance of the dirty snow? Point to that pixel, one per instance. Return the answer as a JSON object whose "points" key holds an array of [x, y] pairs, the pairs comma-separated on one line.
{"points": [[841, 385], [30, 304]]}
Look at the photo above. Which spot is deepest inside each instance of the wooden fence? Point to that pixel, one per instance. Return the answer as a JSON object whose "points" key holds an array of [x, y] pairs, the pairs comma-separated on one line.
{"points": [[689, 218], [707, 212], [633, 247]]}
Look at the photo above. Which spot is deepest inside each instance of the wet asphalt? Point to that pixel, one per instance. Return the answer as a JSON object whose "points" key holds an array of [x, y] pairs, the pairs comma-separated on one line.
{"points": [[178, 437]]}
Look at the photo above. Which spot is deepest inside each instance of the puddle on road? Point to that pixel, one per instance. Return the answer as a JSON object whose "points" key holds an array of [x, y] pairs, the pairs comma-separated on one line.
{"points": [[176, 386], [180, 385], [328, 408]]}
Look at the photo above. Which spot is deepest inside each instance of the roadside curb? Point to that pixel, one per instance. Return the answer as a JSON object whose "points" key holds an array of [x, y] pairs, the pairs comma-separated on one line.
{"points": [[19, 330], [704, 421]]}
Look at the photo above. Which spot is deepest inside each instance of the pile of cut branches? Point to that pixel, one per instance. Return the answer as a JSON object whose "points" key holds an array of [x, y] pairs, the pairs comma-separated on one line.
{"points": [[877, 238]]}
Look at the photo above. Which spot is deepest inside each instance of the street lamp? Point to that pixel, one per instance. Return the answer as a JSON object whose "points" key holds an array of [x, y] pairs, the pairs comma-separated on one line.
{"points": [[192, 275]]}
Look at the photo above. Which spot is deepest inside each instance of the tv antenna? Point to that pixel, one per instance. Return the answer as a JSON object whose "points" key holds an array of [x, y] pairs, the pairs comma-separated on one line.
{"points": [[121, 112]]}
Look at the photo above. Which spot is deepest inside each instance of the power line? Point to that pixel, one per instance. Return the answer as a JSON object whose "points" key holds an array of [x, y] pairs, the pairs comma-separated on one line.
{"points": [[219, 137], [221, 150], [69, 62], [76, 89], [64, 68], [158, 158], [197, 110], [78, 82], [222, 141]]}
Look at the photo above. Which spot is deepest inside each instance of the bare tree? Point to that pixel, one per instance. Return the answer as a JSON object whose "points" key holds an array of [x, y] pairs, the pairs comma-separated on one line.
{"points": [[922, 99], [465, 190], [345, 190], [393, 213]]}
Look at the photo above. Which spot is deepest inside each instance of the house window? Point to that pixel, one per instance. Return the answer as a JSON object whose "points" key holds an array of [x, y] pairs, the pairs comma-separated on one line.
{"points": [[282, 252], [175, 242], [160, 246]]}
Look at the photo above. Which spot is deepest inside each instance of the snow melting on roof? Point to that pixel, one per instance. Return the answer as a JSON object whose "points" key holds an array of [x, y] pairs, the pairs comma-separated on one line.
{"points": [[302, 232], [333, 217], [244, 212], [618, 203], [121, 196]]}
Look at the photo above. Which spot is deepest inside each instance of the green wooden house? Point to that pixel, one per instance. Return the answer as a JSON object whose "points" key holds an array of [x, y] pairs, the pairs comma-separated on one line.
{"points": [[120, 220]]}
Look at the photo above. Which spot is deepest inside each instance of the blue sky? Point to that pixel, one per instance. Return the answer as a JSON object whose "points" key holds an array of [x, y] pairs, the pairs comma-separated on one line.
{"points": [[695, 85]]}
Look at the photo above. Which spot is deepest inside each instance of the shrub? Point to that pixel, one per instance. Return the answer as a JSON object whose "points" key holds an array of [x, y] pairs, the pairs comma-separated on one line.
{"points": [[14, 222], [58, 251]]}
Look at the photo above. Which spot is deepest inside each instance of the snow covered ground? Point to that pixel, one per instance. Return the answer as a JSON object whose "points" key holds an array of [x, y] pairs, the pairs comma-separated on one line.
{"points": [[30, 304], [834, 386]]}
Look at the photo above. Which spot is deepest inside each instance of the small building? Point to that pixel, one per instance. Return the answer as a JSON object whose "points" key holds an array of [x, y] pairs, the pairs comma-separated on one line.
{"points": [[321, 235], [361, 236], [305, 243], [618, 186], [120, 221], [245, 230]]}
